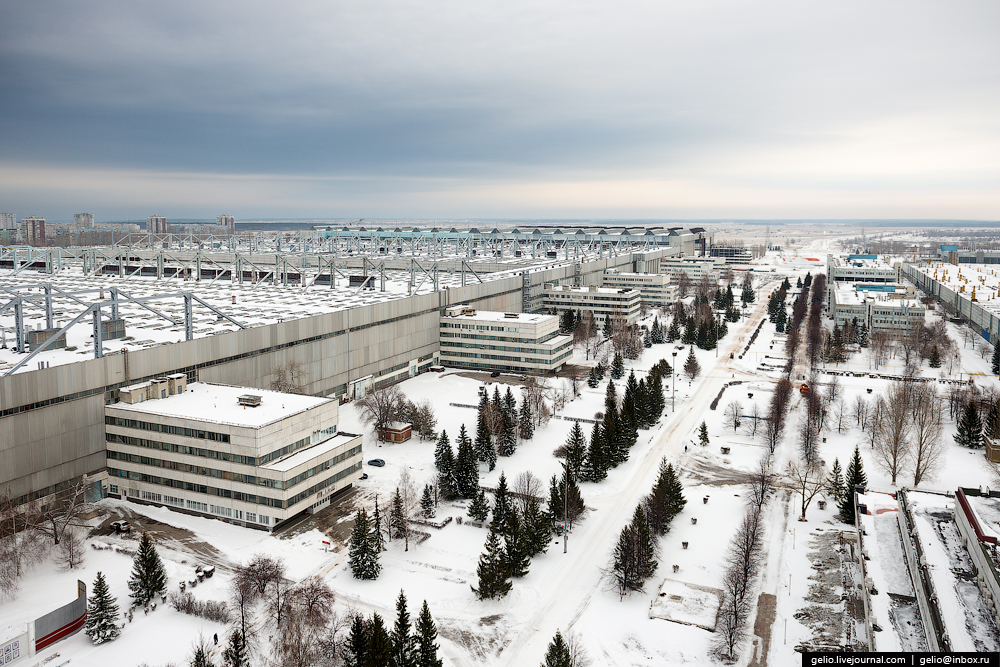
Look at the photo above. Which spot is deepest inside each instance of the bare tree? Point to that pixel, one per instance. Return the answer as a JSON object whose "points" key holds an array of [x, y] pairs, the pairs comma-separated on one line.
{"points": [[840, 416], [761, 482], [752, 422], [683, 283], [808, 440], [534, 391], [874, 421], [926, 430], [577, 652], [586, 333], [288, 378], [59, 512], [72, 549], [892, 448], [21, 545], [733, 415], [381, 407], [314, 599], [859, 410], [408, 491], [832, 390], [809, 480], [526, 486], [879, 345]]}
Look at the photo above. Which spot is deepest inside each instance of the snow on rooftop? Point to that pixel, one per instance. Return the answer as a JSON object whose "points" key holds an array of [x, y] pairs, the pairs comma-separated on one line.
{"points": [[310, 453], [494, 316], [217, 403], [987, 511]]}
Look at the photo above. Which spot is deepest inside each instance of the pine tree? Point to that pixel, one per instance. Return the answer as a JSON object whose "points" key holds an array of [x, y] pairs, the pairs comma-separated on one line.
{"points": [[673, 331], [934, 360], [236, 654], [377, 537], [703, 434], [970, 428], [991, 425], [479, 509], [362, 556], [149, 579], [508, 434], [560, 507], [443, 456], [675, 491], [625, 565], [567, 320], [466, 466], [355, 650], [102, 613], [516, 548], [618, 367], [835, 481], [427, 503], [426, 634], [558, 653], [855, 477], [576, 449], [595, 466], [379, 642], [691, 366], [690, 334], [645, 550], [492, 570], [537, 526], [996, 359], [484, 441], [502, 509], [200, 657], [525, 426], [403, 642]]}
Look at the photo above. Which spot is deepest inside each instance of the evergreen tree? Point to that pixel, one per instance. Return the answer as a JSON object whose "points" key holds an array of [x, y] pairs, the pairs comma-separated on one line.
{"points": [[558, 653], [379, 642], [996, 359], [675, 491], [991, 426], [595, 466], [236, 654], [835, 481], [525, 426], [647, 340], [748, 295], [673, 331], [502, 508], [537, 526], [618, 366], [200, 657], [934, 360], [970, 428], [484, 440], [691, 366], [397, 517], [645, 550], [592, 378], [703, 434], [466, 466], [355, 651], [625, 563], [690, 335], [402, 641], [479, 509], [149, 579], [377, 536], [798, 283], [516, 548], [426, 634], [560, 507], [443, 455], [102, 613], [508, 434], [362, 556], [509, 402], [492, 570], [855, 477], [427, 503], [567, 320], [808, 281], [576, 449]]}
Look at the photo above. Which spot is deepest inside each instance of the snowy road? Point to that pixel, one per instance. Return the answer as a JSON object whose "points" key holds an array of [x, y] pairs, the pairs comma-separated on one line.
{"points": [[568, 593]]}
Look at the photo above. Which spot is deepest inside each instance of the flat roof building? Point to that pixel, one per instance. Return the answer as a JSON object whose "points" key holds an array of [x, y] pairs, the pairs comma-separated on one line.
{"points": [[655, 289], [8, 222], [157, 224], [84, 220], [621, 304], [227, 221], [879, 306], [488, 340], [247, 456], [694, 267]]}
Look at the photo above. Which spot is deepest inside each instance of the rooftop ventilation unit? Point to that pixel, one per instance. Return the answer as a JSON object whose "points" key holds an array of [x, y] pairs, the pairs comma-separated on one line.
{"points": [[249, 400], [510, 316]]}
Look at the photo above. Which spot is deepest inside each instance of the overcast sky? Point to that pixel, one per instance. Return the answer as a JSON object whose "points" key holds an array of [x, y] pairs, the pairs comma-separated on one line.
{"points": [[459, 109]]}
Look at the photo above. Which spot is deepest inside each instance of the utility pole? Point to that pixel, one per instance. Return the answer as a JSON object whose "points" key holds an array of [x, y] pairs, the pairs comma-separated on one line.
{"points": [[673, 380]]}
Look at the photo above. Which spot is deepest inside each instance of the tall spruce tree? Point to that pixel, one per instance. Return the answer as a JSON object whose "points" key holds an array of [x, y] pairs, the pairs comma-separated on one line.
{"points": [[934, 360], [502, 508], [379, 642], [201, 657], [362, 555], [149, 579], [102, 613], [558, 654], [595, 466], [426, 634], [355, 650], [397, 517], [236, 653], [427, 503], [855, 477], [492, 570], [466, 466], [443, 455], [403, 641], [517, 550], [479, 509], [970, 428], [525, 425], [576, 449], [538, 527], [592, 379], [484, 440], [507, 443], [645, 549], [618, 366], [691, 366], [377, 536], [835, 481], [996, 359], [703, 434]]}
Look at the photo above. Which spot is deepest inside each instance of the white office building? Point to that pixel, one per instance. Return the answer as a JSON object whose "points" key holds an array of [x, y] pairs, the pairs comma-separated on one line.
{"points": [[247, 456], [488, 340], [655, 289], [695, 268], [877, 306], [620, 304]]}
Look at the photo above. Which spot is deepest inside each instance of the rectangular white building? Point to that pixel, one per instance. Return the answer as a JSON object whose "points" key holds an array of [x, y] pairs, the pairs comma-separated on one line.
{"points": [[694, 267], [8, 222], [655, 289], [247, 456], [877, 306], [85, 220], [157, 224], [487, 340], [620, 304]]}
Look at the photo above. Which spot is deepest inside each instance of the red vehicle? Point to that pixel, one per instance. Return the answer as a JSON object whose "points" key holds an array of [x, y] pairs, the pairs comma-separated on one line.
{"points": [[804, 389]]}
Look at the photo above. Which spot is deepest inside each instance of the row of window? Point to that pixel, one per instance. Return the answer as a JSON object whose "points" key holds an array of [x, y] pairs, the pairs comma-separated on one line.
{"points": [[526, 360], [502, 348], [173, 501], [165, 428], [470, 336]]}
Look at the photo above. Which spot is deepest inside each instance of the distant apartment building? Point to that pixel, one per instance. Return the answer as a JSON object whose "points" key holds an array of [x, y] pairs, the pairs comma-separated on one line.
{"points": [[247, 456], [488, 340], [33, 230], [157, 224], [8, 222], [878, 306], [227, 221], [694, 267], [655, 289], [83, 220], [731, 254], [619, 304]]}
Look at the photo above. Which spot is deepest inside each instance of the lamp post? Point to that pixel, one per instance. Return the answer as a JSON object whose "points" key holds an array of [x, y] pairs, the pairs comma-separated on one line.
{"points": [[673, 380]]}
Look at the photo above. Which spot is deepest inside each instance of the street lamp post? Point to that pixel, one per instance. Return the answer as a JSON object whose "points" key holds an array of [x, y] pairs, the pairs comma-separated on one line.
{"points": [[673, 380]]}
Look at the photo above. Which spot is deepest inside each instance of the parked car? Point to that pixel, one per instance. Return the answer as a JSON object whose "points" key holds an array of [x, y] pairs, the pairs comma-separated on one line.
{"points": [[495, 374], [121, 526], [378, 463]]}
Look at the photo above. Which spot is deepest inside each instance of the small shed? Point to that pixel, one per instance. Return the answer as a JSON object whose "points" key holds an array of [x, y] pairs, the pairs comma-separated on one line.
{"points": [[395, 432]]}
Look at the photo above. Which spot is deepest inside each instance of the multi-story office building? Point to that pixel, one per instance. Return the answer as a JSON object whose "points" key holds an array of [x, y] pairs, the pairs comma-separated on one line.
{"points": [[855, 269], [83, 220], [488, 340], [33, 230], [227, 221], [619, 304], [877, 306], [157, 224], [695, 268], [732, 254], [655, 289], [247, 456], [8, 222]]}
